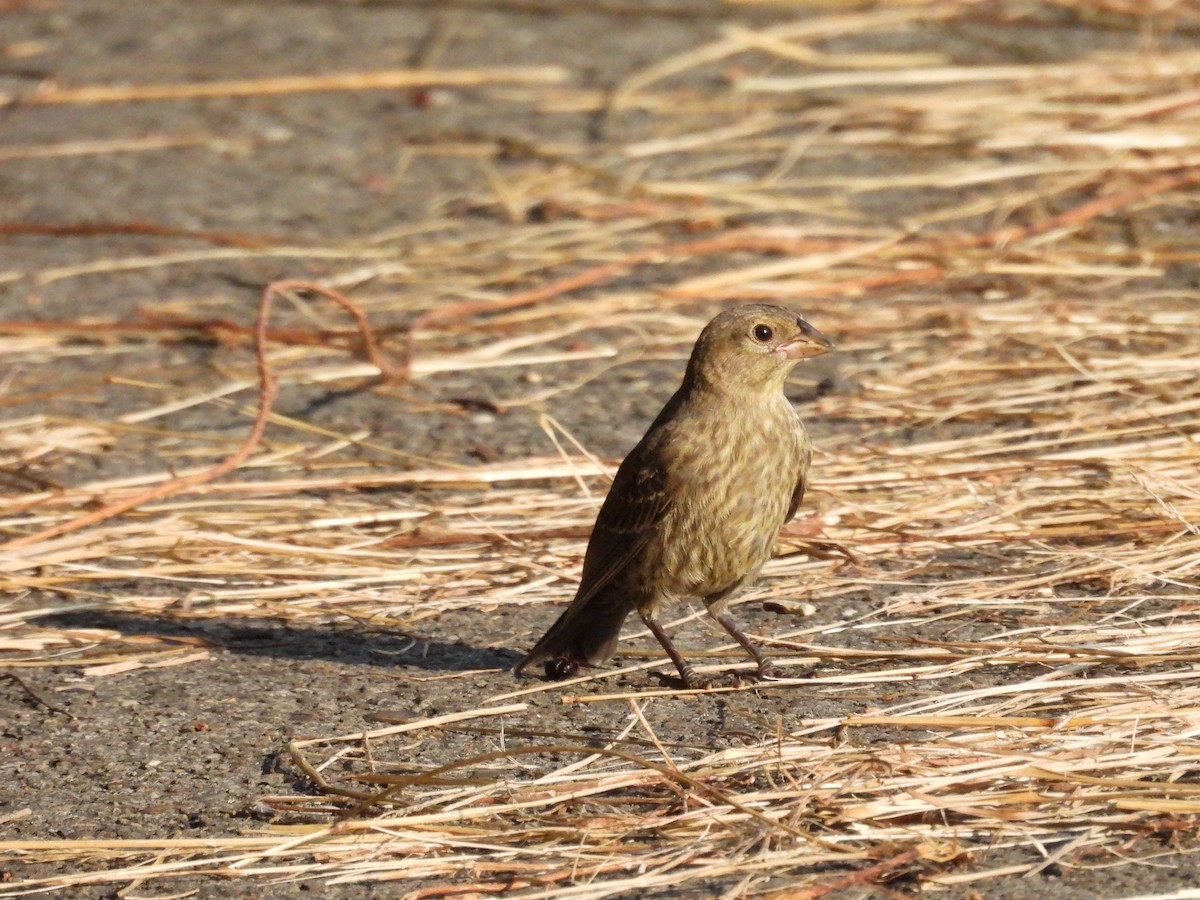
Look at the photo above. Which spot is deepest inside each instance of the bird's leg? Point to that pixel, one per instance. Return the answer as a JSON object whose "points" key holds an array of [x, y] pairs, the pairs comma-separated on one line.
{"points": [[766, 669], [690, 679]]}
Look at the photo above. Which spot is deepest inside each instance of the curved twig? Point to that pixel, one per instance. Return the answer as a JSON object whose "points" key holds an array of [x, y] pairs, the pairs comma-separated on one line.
{"points": [[268, 390]]}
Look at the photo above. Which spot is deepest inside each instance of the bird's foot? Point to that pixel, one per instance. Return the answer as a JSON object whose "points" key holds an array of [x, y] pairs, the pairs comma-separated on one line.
{"points": [[690, 679], [765, 672], [687, 679], [768, 671]]}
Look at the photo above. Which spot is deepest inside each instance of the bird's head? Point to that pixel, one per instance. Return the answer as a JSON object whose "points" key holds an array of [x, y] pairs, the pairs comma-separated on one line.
{"points": [[753, 346]]}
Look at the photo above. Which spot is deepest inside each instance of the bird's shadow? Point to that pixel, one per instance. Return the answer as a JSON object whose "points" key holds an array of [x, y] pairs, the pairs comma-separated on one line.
{"points": [[345, 643]]}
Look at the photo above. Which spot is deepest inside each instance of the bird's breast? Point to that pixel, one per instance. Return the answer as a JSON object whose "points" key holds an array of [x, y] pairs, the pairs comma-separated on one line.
{"points": [[735, 485]]}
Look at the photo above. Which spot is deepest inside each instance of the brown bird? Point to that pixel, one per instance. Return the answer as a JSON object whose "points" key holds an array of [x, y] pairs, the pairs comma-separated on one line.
{"points": [[696, 506]]}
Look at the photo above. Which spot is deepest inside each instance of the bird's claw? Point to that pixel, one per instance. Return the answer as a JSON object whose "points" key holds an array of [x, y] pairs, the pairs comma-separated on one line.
{"points": [[692, 681], [765, 672], [768, 672], [688, 681]]}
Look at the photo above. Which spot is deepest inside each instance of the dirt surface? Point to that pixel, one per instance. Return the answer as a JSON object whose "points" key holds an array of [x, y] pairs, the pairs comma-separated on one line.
{"points": [[192, 750]]}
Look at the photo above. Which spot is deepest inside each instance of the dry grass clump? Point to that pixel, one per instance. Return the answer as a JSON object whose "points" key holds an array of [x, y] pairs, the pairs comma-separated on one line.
{"points": [[1013, 481]]}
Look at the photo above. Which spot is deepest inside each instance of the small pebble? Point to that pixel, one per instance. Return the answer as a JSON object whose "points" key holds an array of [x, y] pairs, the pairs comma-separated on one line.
{"points": [[560, 667]]}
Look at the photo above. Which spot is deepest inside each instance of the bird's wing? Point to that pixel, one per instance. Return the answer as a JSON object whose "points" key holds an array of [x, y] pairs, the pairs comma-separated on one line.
{"points": [[587, 630], [801, 484], [636, 502]]}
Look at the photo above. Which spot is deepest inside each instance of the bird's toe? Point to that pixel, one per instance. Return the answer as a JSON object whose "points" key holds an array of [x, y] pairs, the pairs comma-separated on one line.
{"points": [[765, 672], [689, 682], [769, 672]]}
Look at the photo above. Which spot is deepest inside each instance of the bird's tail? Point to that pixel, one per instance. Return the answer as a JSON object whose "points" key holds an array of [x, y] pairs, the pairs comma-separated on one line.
{"points": [[586, 634]]}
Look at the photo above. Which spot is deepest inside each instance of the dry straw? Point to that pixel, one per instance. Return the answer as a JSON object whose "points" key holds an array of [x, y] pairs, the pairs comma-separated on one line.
{"points": [[1007, 494]]}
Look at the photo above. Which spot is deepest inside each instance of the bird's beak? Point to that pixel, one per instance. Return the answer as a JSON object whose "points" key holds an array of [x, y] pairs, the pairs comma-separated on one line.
{"points": [[808, 343]]}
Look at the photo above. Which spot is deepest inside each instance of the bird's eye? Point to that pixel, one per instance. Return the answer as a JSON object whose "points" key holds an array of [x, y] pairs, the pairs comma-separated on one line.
{"points": [[763, 333]]}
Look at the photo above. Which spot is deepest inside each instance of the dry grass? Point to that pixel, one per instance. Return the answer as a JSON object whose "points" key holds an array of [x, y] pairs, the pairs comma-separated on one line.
{"points": [[1018, 464]]}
